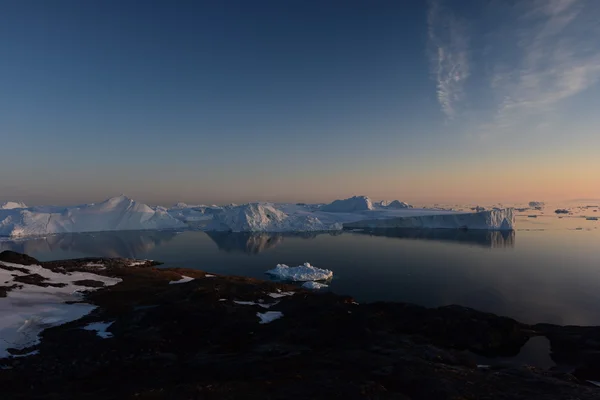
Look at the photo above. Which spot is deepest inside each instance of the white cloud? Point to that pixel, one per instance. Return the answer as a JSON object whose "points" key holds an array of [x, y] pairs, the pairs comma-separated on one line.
{"points": [[556, 58], [449, 56]]}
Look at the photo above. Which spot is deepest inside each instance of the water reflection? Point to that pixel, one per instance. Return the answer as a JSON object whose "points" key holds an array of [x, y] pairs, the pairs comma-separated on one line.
{"points": [[493, 239], [129, 244], [245, 242], [255, 243]]}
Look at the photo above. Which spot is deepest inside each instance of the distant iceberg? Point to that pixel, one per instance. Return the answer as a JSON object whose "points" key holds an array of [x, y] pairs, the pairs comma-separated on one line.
{"points": [[11, 205], [536, 204], [353, 204], [115, 214], [502, 220], [301, 273], [396, 204], [265, 217]]}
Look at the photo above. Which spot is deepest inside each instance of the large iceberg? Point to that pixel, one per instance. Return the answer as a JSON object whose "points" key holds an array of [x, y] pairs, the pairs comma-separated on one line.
{"points": [[265, 217], [115, 214], [11, 205], [353, 204], [502, 220], [301, 273], [396, 204]]}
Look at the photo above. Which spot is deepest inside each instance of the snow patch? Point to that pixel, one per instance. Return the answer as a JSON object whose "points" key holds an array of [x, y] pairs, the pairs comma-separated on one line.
{"points": [[137, 263], [209, 276], [269, 316], [184, 279], [100, 329], [280, 294], [252, 303], [29, 309], [95, 265], [300, 273]]}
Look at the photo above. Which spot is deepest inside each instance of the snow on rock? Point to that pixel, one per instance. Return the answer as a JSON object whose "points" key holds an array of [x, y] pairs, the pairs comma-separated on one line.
{"points": [[502, 220], [100, 329], [184, 279], [535, 204], [28, 309], [301, 273], [11, 205], [280, 294], [314, 285], [353, 204], [396, 204], [265, 217], [269, 316], [115, 214], [252, 303]]}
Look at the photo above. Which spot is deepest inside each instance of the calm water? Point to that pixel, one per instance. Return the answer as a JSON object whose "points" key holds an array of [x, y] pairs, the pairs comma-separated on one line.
{"points": [[547, 271]]}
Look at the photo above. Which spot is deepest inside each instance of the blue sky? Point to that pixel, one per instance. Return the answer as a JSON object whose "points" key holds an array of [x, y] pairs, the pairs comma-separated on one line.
{"points": [[299, 100]]}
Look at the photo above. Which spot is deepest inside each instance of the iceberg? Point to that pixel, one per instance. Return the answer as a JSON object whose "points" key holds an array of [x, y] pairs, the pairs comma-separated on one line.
{"points": [[396, 204], [502, 220], [314, 285], [265, 217], [353, 204], [301, 273], [11, 205], [115, 214]]}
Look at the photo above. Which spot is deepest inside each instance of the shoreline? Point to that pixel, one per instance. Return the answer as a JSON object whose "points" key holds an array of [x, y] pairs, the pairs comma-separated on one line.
{"points": [[204, 338]]}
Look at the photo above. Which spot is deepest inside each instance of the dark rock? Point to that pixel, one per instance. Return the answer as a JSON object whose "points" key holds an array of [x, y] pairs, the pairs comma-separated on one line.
{"points": [[37, 280], [181, 341], [89, 283], [17, 258]]}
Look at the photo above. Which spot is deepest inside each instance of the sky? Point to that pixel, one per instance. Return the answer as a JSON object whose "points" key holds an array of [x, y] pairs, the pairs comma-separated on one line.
{"points": [[238, 101]]}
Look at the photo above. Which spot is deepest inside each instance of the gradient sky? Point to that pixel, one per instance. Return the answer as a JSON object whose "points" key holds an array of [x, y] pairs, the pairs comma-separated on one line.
{"points": [[236, 101]]}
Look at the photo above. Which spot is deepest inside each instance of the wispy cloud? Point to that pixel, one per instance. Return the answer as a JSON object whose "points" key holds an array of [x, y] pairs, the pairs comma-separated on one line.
{"points": [[555, 57], [449, 56]]}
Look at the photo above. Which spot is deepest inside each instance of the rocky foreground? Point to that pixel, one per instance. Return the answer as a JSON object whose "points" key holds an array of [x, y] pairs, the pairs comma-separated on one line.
{"points": [[204, 339]]}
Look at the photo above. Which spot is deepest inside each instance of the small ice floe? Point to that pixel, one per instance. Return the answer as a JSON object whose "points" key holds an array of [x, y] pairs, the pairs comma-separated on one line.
{"points": [[209, 276], [269, 316], [100, 329], [222, 299], [314, 285], [252, 303], [483, 366], [301, 273], [184, 279], [592, 218]]}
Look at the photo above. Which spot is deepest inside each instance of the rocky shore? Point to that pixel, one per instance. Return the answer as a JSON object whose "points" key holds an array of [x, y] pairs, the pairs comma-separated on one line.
{"points": [[228, 337]]}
